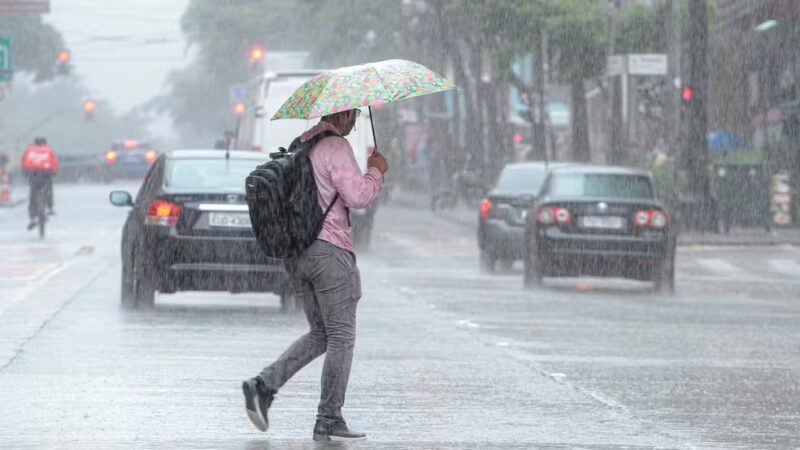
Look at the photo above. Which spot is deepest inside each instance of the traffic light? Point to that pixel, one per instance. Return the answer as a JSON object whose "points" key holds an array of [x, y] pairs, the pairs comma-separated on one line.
{"points": [[256, 54], [239, 108], [89, 106], [62, 62], [687, 94]]}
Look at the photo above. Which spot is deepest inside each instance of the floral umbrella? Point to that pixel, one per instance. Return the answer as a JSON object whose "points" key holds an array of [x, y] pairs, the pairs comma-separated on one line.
{"points": [[357, 86]]}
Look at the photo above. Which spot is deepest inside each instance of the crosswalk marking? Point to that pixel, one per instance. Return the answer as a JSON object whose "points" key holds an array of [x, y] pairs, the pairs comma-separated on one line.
{"points": [[785, 266], [718, 265]]}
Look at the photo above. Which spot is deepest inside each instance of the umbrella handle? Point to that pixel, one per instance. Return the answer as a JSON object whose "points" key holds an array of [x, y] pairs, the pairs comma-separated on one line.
{"points": [[374, 139]]}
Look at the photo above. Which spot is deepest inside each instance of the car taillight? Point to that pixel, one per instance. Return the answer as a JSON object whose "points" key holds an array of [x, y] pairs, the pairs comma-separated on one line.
{"points": [[486, 208], [151, 156], [548, 215], [111, 157], [162, 212], [652, 218]]}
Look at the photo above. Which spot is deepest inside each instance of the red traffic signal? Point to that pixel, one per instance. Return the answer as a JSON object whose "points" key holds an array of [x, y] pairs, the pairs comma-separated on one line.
{"points": [[256, 54], [89, 106], [64, 56], [687, 93]]}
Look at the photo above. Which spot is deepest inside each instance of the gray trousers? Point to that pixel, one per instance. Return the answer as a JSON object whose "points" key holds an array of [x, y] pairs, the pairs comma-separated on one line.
{"points": [[327, 282]]}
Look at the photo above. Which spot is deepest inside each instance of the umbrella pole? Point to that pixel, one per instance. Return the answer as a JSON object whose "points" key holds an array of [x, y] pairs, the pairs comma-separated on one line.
{"points": [[374, 139]]}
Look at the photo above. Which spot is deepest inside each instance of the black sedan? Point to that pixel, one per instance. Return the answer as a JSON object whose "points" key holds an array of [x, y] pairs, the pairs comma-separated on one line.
{"points": [[189, 229], [600, 221], [501, 221]]}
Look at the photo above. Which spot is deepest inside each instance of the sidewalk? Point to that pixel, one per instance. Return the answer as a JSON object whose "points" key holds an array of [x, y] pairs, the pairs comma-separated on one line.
{"points": [[468, 217]]}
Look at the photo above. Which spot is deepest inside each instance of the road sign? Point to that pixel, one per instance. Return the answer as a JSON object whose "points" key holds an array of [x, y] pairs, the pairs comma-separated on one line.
{"points": [[6, 63], [237, 93], [647, 64], [24, 6]]}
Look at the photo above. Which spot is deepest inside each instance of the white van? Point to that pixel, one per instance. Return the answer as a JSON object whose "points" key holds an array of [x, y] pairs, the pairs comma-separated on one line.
{"points": [[264, 96]]}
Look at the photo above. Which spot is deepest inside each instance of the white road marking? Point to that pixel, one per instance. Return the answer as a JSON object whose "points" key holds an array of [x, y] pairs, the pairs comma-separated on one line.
{"points": [[785, 266], [22, 293], [718, 265]]}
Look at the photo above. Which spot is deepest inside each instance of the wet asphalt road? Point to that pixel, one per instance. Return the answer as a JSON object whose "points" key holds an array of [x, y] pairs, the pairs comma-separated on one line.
{"points": [[447, 357]]}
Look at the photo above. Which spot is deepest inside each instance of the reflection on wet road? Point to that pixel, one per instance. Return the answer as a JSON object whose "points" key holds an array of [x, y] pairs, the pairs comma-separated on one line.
{"points": [[447, 357]]}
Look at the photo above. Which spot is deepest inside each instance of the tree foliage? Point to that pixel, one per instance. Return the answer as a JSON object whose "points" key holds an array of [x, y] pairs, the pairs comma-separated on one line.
{"points": [[472, 38], [35, 45]]}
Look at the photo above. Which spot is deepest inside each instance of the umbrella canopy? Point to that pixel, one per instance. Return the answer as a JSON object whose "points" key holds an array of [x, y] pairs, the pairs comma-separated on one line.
{"points": [[357, 86]]}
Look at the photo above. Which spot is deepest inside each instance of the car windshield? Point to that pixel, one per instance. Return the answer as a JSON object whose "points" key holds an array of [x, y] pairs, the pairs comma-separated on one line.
{"points": [[518, 180], [209, 174], [601, 186]]}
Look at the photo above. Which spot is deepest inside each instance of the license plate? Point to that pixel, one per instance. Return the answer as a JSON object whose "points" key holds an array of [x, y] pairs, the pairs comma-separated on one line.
{"points": [[229, 220], [604, 222]]}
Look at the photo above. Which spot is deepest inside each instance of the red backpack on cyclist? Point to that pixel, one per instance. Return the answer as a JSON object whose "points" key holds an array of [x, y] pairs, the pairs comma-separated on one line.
{"points": [[39, 158]]}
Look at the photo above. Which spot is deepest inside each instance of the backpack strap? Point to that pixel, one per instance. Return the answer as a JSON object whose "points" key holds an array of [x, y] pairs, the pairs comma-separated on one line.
{"points": [[330, 207], [311, 143]]}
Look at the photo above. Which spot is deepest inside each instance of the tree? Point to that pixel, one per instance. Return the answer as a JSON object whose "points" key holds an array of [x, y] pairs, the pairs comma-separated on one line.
{"points": [[577, 39], [35, 45]]}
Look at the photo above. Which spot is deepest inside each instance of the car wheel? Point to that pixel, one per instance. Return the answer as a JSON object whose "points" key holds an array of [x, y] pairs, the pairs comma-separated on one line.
{"points": [[532, 274], [144, 287], [487, 260], [126, 288], [664, 277]]}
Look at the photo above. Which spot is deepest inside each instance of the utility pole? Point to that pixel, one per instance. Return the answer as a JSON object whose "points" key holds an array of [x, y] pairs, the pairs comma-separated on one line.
{"points": [[539, 139], [697, 148], [673, 129]]}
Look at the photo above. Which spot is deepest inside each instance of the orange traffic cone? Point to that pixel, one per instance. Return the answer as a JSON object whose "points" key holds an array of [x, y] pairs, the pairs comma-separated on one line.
{"points": [[5, 190]]}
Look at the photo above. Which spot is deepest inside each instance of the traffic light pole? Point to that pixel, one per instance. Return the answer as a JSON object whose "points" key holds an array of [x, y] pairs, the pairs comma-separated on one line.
{"points": [[673, 116], [697, 148]]}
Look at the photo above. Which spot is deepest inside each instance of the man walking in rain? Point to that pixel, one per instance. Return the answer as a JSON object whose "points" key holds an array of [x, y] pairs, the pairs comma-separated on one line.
{"points": [[327, 282]]}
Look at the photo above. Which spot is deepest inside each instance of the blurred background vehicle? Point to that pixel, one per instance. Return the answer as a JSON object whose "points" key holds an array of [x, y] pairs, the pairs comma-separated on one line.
{"points": [[128, 158], [600, 221], [501, 219], [80, 166], [189, 229]]}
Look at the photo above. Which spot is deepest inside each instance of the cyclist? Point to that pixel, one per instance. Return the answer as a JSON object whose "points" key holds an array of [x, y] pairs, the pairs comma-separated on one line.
{"points": [[40, 163]]}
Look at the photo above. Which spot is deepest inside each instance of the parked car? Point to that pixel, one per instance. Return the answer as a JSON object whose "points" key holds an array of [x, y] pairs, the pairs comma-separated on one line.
{"points": [[189, 229], [501, 221], [600, 221], [80, 166], [129, 158]]}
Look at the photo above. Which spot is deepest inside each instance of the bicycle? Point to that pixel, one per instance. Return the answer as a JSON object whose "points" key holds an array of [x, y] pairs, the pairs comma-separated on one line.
{"points": [[40, 208]]}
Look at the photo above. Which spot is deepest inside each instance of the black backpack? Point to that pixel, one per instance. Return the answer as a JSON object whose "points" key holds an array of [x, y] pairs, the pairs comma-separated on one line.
{"points": [[283, 200]]}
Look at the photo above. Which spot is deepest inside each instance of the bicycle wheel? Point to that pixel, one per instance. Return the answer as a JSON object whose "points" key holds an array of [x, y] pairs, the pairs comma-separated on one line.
{"points": [[41, 213]]}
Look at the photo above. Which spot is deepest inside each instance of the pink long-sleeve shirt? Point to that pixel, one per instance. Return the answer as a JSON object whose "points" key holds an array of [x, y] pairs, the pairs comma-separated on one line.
{"points": [[336, 170]]}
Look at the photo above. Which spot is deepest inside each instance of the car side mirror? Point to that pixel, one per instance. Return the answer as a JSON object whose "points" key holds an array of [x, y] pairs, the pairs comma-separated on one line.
{"points": [[120, 198]]}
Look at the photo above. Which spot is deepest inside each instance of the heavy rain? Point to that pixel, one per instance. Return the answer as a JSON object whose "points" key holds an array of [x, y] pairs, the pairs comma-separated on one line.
{"points": [[256, 224]]}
